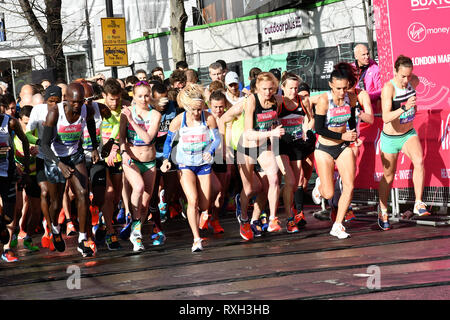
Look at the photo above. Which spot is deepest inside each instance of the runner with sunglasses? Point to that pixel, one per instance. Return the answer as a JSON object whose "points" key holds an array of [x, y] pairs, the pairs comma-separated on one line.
{"points": [[139, 127]]}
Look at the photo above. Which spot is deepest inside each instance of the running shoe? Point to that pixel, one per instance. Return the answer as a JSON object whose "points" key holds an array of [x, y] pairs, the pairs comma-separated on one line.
{"points": [[231, 205], [138, 246], [215, 225], [245, 230], [203, 223], [94, 214], [4, 233], [9, 256], [158, 238], [300, 220], [197, 245], [349, 216], [99, 230], [383, 220], [22, 235], [317, 198], [14, 239], [85, 248], [28, 243], [112, 242], [70, 228], [322, 215], [256, 228], [420, 208], [338, 230], [58, 242], [264, 221], [93, 246], [121, 216], [274, 225], [47, 242], [291, 227]]}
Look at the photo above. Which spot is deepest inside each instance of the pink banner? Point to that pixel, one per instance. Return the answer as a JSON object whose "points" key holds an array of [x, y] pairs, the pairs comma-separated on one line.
{"points": [[433, 128], [419, 29]]}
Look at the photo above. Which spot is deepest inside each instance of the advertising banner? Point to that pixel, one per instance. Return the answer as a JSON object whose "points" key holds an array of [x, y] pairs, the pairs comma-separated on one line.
{"points": [[420, 30]]}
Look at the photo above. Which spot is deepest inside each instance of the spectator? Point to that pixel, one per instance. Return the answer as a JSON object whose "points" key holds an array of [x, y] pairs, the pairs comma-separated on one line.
{"points": [[141, 75], [181, 65], [368, 73], [252, 74], [158, 71], [45, 83], [191, 76], [178, 79]]}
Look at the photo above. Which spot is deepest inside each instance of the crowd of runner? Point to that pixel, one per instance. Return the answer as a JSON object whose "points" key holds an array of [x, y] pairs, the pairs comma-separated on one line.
{"points": [[99, 158]]}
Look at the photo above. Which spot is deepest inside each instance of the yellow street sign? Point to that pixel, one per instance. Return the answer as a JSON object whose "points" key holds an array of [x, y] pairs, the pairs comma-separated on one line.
{"points": [[114, 42]]}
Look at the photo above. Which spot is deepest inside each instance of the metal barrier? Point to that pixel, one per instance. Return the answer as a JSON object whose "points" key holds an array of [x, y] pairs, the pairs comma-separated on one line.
{"points": [[434, 196]]}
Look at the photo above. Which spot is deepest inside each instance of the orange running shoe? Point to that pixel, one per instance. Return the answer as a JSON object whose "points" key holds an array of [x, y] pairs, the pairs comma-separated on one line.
{"points": [[274, 225], [215, 225], [94, 214], [246, 230], [299, 219], [291, 227], [47, 242], [349, 216], [204, 217]]}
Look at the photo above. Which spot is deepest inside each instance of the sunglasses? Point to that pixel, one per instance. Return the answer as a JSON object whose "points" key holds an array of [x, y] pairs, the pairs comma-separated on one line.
{"points": [[87, 100], [141, 83]]}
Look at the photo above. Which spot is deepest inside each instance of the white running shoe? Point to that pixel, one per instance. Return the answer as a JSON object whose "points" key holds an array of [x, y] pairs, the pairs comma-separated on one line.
{"points": [[317, 198], [197, 245], [338, 231]]}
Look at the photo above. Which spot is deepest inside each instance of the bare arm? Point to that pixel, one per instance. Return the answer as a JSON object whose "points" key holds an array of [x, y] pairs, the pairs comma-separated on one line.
{"points": [[366, 114]]}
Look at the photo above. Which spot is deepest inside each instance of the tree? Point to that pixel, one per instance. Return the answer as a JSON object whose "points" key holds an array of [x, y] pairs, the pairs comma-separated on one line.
{"points": [[369, 21], [178, 19], [50, 38]]}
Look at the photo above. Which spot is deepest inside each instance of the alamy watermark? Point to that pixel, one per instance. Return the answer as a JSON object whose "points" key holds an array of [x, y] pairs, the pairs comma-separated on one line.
{"points": [[74, 280]]}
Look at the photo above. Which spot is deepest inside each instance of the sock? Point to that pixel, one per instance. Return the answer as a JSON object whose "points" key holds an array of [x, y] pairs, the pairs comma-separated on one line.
{"points": [[298, 199], [82, 236], [56, 229]]}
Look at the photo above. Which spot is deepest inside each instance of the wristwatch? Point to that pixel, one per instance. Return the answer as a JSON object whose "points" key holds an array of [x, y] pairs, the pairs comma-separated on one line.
{"points": [[404, 108]]}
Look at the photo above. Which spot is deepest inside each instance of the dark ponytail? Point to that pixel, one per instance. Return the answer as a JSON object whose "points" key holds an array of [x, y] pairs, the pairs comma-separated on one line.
{"points": [[344, 70]]}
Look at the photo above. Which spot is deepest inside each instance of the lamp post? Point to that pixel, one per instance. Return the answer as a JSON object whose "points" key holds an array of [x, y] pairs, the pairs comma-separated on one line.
{"points": [[110, 14]]}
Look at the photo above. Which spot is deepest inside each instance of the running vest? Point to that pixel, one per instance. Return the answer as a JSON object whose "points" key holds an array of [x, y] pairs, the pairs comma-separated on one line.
{"points": [[263, 119], [166, 118], [400, 99], [68, 135], [292, 120], [87, 142], [107, 129], [132, 136], [7, 159], [19, 156], [193, 142], [338, 116]]}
